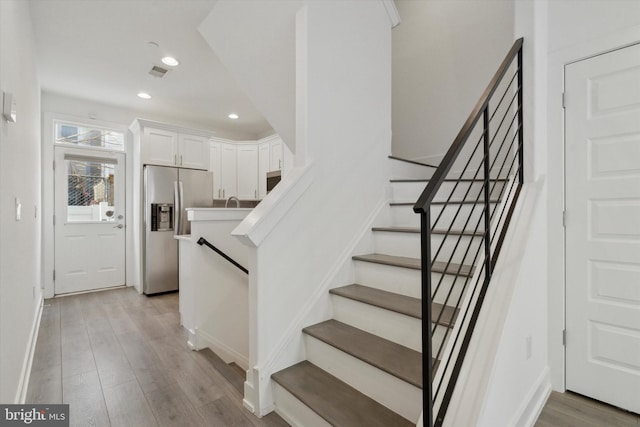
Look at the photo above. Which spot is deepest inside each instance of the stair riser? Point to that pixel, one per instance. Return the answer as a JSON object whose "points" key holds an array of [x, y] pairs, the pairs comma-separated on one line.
{"points": [[404, 170], [404, 216], [396, 327], [394, 393], [408, 245], [293, 411], [410, 191], [406, 281]]}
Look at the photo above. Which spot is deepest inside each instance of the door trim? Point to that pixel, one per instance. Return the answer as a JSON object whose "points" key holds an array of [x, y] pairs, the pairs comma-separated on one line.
{"points": [[47, 186]]}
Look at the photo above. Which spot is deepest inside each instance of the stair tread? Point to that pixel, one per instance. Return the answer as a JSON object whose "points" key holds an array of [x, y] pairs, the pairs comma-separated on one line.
{"points": [[336, 402], [450, 202], [398, 303], [388, 356], [415, 263], [401, 229]]}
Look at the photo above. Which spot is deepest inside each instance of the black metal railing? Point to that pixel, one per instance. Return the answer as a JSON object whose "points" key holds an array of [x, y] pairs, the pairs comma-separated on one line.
{"points": [[477, 185], [202, 241]]}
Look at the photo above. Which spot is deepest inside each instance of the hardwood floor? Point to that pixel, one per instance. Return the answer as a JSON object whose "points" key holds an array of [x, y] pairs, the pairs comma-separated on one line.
{"points": [[573, 410], [120, 359]]}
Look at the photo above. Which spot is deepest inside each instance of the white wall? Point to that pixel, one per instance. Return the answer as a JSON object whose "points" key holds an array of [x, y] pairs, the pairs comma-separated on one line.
{"points": [[444, 54], [343, 119], [20, 278], [262, 59], [576, 30]]}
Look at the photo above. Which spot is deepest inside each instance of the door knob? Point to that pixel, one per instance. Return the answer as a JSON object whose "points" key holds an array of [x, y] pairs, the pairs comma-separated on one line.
{"points": [[118, 226]]}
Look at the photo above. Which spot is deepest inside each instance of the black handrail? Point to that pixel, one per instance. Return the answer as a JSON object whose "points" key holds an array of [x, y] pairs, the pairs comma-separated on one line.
{"points": [[487, 217], [202, 241]]}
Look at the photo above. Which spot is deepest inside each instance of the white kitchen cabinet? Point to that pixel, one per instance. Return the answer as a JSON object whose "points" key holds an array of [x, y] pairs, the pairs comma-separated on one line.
{"points": [[167, 145], [247, 172], [214, 167], [264, 166], [159, 147], [192, 152], [240, 168], [276, 154], [228, 171]]}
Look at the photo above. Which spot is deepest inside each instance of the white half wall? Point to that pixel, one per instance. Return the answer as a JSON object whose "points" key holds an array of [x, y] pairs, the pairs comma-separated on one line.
{"points": [[444, 55], [20, 247]]}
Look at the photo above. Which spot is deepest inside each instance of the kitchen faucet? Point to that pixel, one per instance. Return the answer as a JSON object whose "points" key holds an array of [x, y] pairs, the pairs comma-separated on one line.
{"points": [[235, 199]]}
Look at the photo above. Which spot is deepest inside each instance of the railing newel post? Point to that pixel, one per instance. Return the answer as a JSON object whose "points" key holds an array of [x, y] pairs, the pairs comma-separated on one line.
{"points": [[427, 342], [520, 119], [487, 194]]}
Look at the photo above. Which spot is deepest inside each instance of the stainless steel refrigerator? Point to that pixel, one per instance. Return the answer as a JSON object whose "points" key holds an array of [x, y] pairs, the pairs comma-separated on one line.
{"points": [[167, 193]]}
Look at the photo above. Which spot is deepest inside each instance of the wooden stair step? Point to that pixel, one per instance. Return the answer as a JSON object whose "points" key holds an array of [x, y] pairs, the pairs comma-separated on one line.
{"points": [[398, 303], [415, 263], [397, 229], [335, 401], [392, 358]]}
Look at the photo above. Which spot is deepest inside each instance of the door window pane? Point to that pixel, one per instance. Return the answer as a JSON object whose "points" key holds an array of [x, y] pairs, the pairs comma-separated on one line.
{"points": [[90, 186], [85, 136]]}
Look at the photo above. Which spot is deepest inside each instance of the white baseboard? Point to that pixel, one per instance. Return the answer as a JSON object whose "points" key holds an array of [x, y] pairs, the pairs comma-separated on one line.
{"points": [[25, 375], [226, 353], [532, 406]]}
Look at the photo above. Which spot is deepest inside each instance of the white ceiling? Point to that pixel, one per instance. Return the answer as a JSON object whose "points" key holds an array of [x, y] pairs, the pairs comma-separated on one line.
{"points": [[99, 50]]}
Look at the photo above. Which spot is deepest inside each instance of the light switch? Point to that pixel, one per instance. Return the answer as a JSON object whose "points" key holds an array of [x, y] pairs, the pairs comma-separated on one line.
{"points": [[18, 210]]}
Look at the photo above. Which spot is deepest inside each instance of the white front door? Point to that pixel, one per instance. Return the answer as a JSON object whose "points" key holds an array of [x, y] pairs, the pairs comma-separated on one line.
{"points": [[602, 158], [89, 219]]}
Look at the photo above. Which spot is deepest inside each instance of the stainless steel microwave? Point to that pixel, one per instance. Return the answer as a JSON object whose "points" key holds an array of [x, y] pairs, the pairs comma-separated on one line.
{"points": [[273, 178]]}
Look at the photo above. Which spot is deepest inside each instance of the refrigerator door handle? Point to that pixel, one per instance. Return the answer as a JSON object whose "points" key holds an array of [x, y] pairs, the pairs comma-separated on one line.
{"points": [[177, 208], [182, 227]]}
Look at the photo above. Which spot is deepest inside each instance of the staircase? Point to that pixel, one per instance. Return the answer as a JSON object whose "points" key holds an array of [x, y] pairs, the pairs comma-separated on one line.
{"points": [[364, 366]]}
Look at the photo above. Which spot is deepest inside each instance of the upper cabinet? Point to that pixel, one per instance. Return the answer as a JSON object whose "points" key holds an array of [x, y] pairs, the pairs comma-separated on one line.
{"points": [[167, 145], [193, 151], [240, 168]]}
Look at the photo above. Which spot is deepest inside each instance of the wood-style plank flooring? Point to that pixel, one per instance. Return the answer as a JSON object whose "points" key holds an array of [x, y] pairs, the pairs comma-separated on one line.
{"points": [[120, 359], [573, 410]]}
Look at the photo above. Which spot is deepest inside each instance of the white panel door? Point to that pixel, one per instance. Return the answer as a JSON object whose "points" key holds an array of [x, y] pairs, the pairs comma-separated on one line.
{"points": [[193, 152], [89, 220], [603, 227]]}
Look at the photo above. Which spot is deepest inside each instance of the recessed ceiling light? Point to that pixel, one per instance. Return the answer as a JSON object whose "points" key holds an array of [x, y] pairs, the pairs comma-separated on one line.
{"points": [[144, 95], [170, 61], [233, 116]]}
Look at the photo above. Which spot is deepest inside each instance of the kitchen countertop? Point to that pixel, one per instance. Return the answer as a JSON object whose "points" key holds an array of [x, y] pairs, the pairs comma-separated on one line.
{"points": [[217, 214]]}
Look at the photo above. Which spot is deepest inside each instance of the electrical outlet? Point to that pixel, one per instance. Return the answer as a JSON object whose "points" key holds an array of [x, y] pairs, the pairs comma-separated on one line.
{"points": [[529, 347]]}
